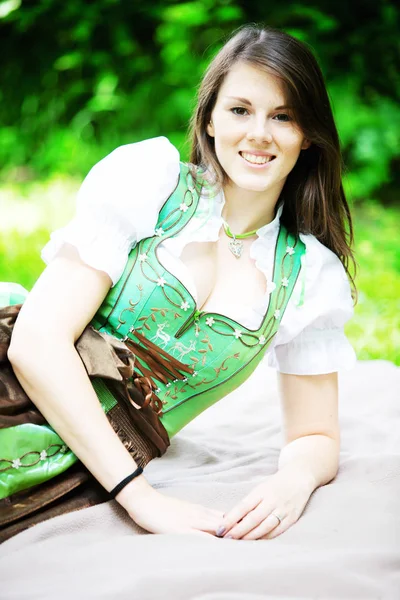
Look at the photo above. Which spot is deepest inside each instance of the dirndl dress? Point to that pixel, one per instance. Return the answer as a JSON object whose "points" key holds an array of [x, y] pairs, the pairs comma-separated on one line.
{"points": [[106, 360]]}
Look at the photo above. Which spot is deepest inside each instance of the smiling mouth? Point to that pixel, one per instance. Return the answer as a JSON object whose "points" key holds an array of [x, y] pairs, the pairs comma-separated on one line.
{"points": [[256, 159]]}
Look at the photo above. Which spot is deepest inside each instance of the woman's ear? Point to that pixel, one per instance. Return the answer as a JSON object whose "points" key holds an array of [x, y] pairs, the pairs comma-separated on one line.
{"points": [[306, 144], [210, 129]]}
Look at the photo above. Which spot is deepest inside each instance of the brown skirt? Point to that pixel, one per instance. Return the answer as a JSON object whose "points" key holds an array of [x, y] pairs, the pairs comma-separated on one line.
{"points": [[72, 490], [135, 419]]}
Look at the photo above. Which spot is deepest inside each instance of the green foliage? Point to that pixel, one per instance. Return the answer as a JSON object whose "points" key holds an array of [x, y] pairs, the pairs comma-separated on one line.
{"points": [[375, 327], [20, 260], [370, 135], [98, 75], [29, 212]]}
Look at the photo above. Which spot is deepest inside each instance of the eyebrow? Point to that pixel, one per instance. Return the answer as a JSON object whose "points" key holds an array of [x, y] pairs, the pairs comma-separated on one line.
{"points": [[245, 101]]}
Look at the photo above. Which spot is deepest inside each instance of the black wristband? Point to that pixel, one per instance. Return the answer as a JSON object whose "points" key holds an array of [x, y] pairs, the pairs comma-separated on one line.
{"points": [[125, 482]]}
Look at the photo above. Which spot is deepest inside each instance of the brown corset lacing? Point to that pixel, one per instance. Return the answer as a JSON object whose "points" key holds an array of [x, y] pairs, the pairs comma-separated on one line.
{"points": [[152, 361]]}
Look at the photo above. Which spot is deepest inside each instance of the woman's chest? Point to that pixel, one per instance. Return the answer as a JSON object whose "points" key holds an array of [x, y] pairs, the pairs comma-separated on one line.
{"points": [[219, 278]]}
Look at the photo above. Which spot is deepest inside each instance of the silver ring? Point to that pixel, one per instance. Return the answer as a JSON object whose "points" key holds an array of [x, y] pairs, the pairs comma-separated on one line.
{"points": [[276, 516]]}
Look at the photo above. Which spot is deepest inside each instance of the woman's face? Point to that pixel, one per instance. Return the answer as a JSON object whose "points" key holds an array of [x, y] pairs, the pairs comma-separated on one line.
{"points": [[250, 122]]}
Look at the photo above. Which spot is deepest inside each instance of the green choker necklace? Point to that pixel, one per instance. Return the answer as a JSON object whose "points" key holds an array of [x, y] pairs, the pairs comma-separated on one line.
{"points": [[236, 246]]}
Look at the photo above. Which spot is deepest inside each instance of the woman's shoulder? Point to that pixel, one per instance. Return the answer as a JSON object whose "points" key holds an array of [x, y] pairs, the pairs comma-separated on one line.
{"points": [[321, 258], [324, 285], [137, 160], [132, 177], [311, 338], [118, 204], [143, 149]]}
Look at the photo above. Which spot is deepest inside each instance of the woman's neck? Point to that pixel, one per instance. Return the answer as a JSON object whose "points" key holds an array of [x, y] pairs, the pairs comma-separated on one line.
{"points": [[245, 210]]}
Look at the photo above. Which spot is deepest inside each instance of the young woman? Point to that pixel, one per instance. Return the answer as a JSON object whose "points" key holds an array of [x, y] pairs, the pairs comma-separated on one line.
{"points": [[185, 276]]}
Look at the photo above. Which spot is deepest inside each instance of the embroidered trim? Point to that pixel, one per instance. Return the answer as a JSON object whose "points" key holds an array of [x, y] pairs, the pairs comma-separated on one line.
{"points": [[198, 341], [16, 463]]}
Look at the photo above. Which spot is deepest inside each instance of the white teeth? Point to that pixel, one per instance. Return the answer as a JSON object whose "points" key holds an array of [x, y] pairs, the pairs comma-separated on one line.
{"points": [[253, 158]]}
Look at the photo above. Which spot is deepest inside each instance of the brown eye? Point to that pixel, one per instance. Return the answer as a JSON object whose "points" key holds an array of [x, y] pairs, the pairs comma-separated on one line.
{"points": [[238, 108], [285, 119]]}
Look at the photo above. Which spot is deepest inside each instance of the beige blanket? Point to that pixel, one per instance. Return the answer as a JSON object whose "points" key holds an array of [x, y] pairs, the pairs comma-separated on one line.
{"points": [[345, 546]]}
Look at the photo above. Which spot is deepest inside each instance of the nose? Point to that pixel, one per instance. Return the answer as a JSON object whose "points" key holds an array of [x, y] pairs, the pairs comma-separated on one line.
{"points": [[259, 131]]}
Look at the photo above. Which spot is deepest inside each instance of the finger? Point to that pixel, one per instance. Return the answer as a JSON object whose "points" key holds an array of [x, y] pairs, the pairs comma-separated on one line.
{"points": [[249, 522], [207, 522], [197, 532], [209, 527], [284, 526], [269, 527], [239, 512]]}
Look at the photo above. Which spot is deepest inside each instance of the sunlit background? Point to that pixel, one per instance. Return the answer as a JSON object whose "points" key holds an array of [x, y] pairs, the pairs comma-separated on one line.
{"points": [[79, 78]]}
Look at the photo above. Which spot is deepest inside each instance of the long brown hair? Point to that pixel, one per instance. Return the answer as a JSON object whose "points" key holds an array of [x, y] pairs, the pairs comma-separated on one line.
{"points": [[313, 195]]}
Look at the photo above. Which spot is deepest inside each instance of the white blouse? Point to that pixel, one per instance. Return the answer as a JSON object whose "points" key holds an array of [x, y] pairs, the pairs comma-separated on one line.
{"points": [[118, 205]]}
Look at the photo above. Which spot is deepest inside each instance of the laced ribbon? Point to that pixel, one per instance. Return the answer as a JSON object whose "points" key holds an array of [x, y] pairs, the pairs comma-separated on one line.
{"points": [[153, 361]]}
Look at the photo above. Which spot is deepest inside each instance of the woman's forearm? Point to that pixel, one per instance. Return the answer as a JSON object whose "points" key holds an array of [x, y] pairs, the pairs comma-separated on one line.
{"points": [[53, 376], [317, 456]]}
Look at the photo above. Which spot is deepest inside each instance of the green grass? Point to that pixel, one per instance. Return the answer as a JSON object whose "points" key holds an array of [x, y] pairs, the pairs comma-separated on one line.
{"points": [[375, 327], [29, 212]]}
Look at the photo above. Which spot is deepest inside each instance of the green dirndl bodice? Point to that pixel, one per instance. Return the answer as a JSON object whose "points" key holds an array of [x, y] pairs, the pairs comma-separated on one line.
{"points": [[150, 305]]}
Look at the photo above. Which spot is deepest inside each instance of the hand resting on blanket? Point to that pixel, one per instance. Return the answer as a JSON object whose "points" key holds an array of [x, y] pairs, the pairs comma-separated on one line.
{"points": [[284, 494], [158, 513]]}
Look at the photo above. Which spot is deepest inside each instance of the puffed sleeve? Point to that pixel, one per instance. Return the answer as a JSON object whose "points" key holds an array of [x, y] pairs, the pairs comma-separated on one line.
{"points": [[311, 338], [118, 204]]}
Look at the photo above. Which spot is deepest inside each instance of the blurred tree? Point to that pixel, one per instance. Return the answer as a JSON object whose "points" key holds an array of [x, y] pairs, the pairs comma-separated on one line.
{"points": [[80, 78]]}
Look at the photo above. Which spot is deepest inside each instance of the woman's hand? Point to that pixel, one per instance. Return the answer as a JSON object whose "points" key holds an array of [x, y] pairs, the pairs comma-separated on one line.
{"points": [[309, 459], [158, 513], [284, 494]]}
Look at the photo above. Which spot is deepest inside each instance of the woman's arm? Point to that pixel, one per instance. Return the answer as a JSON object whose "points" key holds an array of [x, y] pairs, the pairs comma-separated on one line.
{"points": [[308, 459], [63, 301], [42, 352], [310, 426]]}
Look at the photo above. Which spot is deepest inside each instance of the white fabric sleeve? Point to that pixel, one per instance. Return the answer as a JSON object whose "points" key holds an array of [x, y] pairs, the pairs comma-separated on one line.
{"points": [[311, 338], [118, 204]]}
